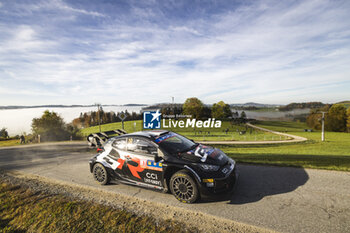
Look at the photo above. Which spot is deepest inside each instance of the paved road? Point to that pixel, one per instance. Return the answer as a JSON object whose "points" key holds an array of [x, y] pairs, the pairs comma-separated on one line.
{"points": [[283, 199]]}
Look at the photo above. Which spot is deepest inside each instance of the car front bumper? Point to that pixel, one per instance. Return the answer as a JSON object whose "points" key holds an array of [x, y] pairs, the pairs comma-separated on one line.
{"points": [[220, 185]]}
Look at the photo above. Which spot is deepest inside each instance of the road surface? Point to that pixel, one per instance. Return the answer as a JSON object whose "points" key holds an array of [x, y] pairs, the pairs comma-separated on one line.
{"points": [[279, 198]]}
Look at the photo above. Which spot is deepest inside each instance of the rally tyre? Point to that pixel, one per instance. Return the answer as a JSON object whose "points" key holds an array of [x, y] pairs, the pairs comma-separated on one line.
{"points": [[184, 187], [100, 174]]}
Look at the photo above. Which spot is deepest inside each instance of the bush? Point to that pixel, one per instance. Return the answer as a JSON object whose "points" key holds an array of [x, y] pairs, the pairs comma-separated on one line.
{"points": [[4, 133], [50, 127]]}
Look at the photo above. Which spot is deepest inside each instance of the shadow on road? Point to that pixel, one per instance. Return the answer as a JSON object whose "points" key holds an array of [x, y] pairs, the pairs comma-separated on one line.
{"points": [[257, 182], [26, 157]]}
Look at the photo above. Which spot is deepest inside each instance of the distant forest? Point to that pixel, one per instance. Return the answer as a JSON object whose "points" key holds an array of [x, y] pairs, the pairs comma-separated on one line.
{"points": [[310, 105], [92, 118]]}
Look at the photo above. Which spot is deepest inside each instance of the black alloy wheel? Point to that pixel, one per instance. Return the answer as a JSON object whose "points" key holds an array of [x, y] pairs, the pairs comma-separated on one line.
{"points": [[100, 174], [183, 187]]}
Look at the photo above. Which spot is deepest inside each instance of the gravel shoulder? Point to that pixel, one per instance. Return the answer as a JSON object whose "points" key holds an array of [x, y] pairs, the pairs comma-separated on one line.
{"points": [[201, 221]]}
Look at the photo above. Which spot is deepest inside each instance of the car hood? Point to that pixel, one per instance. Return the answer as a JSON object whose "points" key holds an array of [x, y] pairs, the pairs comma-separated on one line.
{"points": [[205, 154]]}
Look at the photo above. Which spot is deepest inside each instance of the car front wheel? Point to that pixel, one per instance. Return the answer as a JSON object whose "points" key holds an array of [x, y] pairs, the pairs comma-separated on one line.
{"points": [[183, 187], [100, 174]]}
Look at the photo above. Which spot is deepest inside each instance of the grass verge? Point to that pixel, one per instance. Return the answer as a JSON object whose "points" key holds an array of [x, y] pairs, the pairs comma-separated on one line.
{"points": [[12, 142], [333, 154], [23, 210]]}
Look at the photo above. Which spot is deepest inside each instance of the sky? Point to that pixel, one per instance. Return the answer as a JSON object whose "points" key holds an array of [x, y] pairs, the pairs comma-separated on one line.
{"points": [[120, 52]]}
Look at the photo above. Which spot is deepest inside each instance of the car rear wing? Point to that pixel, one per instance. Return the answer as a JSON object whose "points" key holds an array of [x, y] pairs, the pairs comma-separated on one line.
{"points": [[98, 139]]}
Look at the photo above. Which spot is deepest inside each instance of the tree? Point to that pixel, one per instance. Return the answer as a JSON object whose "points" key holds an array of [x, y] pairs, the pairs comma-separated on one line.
{"points": [[243, 117], [235, 114], [88, 121], [348, 120], [73, 131], [114, 117], [93, 119], [78, 123], [206, 112], [4, 133], [50, 126], [313, 120], [221, 110], [336, 118], [194, 107]]}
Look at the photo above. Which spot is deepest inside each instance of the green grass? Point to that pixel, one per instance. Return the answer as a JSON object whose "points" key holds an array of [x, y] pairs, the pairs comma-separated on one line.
{"points": [[129, 126], [12, 142], [22, 210], [333, 154], [203, 134]]}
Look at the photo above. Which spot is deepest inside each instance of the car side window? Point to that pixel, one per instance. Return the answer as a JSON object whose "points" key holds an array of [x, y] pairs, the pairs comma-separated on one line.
{"points": [[138, 145], [120, 144]]}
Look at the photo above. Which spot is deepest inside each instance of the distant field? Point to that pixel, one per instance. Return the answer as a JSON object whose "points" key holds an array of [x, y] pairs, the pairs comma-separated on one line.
{"points": [[234, 133], [346, 104], [333, 154]]}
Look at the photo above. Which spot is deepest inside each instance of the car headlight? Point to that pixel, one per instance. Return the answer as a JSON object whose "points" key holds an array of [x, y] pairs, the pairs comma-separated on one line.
{"points": [[232, 161], [209, 168]]}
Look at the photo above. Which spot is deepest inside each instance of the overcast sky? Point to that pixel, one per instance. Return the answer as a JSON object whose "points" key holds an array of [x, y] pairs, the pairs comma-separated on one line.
{"points": [[119, 52]]}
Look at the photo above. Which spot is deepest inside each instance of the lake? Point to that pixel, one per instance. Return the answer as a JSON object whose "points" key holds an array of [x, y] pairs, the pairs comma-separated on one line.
{"points": [[18, 121]]}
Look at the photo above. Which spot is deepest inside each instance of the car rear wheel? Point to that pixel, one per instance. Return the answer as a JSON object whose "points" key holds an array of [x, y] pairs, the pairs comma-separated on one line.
{"points": [[100, 174], [183, 187]]}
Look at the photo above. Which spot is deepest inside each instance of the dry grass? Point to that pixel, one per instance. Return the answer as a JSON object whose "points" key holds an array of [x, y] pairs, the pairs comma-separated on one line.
{"points": [[23, 210]]}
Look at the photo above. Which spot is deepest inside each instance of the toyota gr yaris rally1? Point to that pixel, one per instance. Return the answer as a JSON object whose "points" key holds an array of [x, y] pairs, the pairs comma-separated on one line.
{"points": [[165, 161]]}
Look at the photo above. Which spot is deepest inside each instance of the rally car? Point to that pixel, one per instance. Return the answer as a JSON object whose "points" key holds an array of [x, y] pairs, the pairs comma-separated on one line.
{"points": [[165, 161]]}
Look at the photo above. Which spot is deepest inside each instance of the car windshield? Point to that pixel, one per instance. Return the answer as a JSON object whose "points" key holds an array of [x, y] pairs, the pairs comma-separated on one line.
{"points": [[174, 143]]}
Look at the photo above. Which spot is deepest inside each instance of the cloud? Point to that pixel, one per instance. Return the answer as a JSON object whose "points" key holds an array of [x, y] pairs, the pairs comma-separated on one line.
{"points": [[63, 6], [50, 6], [274, 51]]}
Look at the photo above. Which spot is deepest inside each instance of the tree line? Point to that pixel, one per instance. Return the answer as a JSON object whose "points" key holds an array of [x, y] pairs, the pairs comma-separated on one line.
{"points": [[92, 118], [192, 106], [196, 109], [312, 105], [337, 118]]}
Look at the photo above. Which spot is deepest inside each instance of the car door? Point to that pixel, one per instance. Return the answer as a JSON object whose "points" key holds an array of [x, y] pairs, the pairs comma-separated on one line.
{"points": [[140, 164], [118, 154]]}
